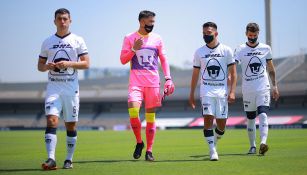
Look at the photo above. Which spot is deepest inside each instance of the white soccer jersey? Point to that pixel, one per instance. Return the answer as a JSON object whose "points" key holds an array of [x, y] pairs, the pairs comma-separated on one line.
{"points": [[66, 48], [213, 63], [253, 62]]}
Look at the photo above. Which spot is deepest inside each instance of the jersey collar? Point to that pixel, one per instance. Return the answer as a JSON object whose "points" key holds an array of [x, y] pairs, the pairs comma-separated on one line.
{"points": [[252, 46], [143, 35], [62, 36], [213, 47]]}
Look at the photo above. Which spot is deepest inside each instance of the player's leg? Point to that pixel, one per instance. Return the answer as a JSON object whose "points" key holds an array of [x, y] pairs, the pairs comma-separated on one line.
{"points": [[208, 109], [209, 136], [152, 100], [249, 100], [263, 106], [135, 98], [71, 139], [70, 115], [52, 109], [219, 131], [51, 141], [150, 116], [251, 130], [221, 118]]}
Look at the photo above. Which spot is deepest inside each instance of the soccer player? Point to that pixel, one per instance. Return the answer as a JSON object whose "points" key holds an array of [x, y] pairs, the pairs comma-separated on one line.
{"points": [[142, 49], [61, 55], [215, 63], [255, 59]]}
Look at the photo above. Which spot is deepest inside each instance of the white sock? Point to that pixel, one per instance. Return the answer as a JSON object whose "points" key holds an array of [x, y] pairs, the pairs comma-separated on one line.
{"points": [[263, 127], [210, 141], [51, 141], [70, 146], [251, 131]]}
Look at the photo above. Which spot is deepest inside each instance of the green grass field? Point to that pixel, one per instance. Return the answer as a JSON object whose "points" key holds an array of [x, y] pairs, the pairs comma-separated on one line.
{"points": [[176, 152]]}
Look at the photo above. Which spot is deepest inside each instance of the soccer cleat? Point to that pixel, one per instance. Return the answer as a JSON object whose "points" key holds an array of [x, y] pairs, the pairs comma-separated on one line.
{"points": [[252, 150], [214, 156], [263, 149], [50, 164], [149, 156], [138, 150], [67, 164]]}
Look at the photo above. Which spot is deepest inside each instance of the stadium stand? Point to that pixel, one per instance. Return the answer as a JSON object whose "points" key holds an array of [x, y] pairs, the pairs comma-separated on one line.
{"points": [[103, 100]]}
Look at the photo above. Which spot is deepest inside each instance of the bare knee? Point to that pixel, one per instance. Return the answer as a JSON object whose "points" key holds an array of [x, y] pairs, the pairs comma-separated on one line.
{"points": [[52, 121], [71, 126], [208, 121], [150, 110], [221, 124]]}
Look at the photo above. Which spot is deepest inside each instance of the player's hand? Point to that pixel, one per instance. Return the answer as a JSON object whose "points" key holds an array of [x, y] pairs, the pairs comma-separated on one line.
{"points": [[275, 93], [231, 97], [169, 87], [192, 101], [63, 64], [50, 66], [138, 43]]}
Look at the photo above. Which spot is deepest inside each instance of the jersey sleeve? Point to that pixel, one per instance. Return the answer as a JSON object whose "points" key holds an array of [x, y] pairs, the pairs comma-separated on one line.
{"points": [[82, 49], [230, 57], [126, 53], [163, 59], [236, 55], [196, 61], [44, 52], [161, 48], [269, 55]]}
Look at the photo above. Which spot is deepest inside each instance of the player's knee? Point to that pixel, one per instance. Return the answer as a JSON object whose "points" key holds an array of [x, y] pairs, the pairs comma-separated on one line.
{"points": [[134, 112], [71, 126], [150, 117], [263, 109], [50, 130], [219, 132], [52, 121], [208, 132], [251, 115]]}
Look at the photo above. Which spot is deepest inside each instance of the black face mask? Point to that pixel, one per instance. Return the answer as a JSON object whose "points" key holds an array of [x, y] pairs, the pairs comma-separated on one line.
{"points": [[148, 28], [252, 40], [208, 38]]}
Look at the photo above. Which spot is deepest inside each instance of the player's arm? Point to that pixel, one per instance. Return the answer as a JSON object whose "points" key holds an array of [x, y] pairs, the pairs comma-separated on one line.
{"points": [[84, 63], [194, 81], [169, 86], [43, 67], [128, 51], [232, 69], [272, 74]]}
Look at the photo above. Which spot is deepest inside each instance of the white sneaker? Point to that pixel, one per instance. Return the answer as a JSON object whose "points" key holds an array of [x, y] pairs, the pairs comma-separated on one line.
{"points": [[214, 156]]}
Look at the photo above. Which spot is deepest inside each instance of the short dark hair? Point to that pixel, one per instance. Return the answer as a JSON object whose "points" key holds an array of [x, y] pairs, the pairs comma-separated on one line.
{"points": [[146, 14], [210, 24], [61, 11], [252, 27]]}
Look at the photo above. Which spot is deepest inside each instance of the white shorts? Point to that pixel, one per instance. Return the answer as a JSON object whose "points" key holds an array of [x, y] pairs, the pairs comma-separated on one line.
{"points": [[67, 106], [215, 106], [252, 100]]}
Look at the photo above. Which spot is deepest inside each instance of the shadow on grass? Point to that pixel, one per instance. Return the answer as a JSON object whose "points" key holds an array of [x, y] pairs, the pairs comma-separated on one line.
{"points": [[119, 161], [19, 170], [221, 155]]}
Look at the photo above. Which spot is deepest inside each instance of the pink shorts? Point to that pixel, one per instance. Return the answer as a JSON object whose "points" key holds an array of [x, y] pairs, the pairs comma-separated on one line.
{"points": [[150, 95]]}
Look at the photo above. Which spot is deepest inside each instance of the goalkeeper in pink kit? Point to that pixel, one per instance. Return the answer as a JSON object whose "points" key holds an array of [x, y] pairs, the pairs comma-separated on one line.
{"points": [[142, 49]]}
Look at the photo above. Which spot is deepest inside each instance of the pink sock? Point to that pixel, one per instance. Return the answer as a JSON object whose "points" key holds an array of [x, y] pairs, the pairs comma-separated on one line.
{"points": [[136, 127], [150, 135]]}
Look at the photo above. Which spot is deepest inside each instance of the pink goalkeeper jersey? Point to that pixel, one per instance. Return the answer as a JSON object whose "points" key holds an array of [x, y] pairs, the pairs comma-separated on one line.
{"points": [[144, 63]]}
